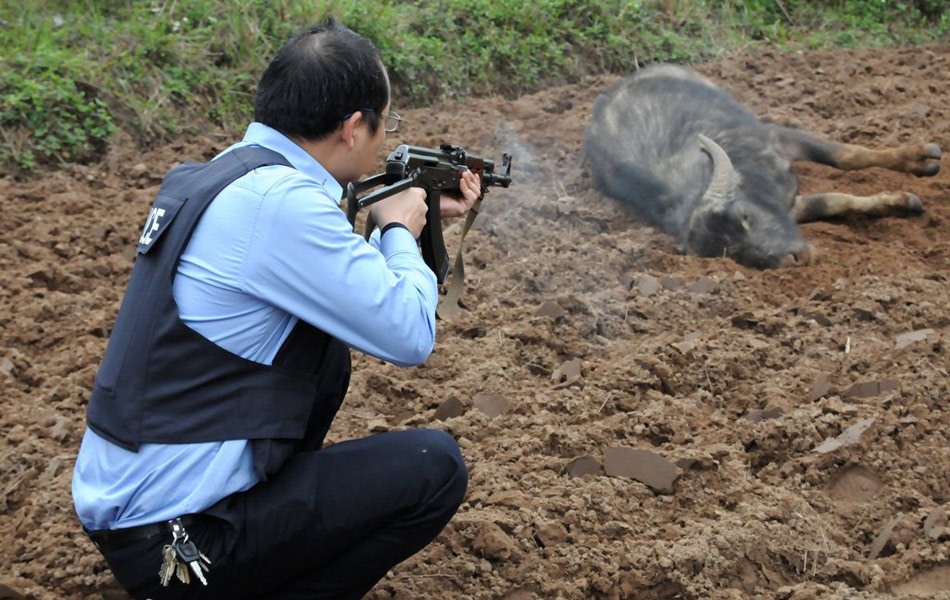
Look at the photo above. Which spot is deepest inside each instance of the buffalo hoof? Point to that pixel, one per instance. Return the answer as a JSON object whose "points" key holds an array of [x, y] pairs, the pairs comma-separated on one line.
{"points": [[924, 160], [914, 204]]}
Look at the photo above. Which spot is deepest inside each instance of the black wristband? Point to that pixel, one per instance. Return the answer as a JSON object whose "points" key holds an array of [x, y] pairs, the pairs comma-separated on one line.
{"points": [[391, 225]]}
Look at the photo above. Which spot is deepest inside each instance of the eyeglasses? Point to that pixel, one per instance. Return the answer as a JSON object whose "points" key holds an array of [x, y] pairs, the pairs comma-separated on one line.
{"points": [[391, 120]]}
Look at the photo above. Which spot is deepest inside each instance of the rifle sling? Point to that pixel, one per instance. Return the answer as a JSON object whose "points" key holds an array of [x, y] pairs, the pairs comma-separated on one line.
{"points": [[449, 307]]}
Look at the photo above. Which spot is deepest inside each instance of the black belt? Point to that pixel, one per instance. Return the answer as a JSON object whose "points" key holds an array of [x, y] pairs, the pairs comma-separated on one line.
{"points": [[107, 539]]}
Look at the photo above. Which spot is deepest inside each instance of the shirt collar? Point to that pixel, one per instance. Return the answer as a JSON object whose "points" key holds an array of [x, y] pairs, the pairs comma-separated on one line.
{"points": [[270, 138]]}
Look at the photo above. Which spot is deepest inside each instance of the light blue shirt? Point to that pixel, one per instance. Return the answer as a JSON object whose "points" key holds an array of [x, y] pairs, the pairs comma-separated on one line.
{"points": [[273, 247]]}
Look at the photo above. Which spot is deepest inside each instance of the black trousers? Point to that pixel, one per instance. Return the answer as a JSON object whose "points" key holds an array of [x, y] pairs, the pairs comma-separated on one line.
{"points": [[330, 524]]}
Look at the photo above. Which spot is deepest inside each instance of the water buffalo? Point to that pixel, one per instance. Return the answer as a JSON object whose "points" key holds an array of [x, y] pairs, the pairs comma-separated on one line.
{"points": [[697, 164]]}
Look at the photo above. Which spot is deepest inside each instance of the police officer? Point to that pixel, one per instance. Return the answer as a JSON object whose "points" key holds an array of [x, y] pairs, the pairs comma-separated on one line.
{"points": [[202, 473]]}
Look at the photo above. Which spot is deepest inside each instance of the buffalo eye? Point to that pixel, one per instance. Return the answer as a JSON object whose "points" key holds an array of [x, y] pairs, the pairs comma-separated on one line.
{"points": [[746, 220]]}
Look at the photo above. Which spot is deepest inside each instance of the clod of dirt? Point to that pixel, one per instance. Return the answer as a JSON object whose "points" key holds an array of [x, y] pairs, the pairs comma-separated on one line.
{"points": [[452, 407], [583, 465], [550, 534], [706, 285], [139, 170], [926, 584], [671, 283], [568, 373], [701, 463], [758, 415], [648, 285], [379, 425], [520, 594], [491, 404], [60, 429], [936, 523], [745, 320], [854, 484], [869, 389], [882, 538], [51, 470], [911, 337], [688, 343], [473, 333], [820, 387], [509, 498], [8, 592], [551, 309], [493, 543], [819, 318], [646, 467], [864, 313], [686, 463], [849, 437]]}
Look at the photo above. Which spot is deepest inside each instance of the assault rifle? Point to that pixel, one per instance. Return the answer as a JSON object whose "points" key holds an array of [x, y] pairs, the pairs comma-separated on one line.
{"points": [[435, 171]]}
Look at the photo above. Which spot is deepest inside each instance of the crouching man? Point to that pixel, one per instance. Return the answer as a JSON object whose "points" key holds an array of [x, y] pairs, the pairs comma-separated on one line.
{"points": [[201, 473]]}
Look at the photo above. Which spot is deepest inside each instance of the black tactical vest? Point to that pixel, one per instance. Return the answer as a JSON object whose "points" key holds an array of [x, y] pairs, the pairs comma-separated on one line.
{"points": [[162, 382]]}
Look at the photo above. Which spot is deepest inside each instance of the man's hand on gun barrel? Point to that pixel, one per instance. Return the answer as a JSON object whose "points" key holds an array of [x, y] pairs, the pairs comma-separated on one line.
{"points": [[409, 206], [456, 205]]}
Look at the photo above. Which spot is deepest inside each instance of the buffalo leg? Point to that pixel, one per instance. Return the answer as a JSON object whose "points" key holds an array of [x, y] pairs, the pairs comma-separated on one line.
{"points": [[922, 160], [813, 207]]}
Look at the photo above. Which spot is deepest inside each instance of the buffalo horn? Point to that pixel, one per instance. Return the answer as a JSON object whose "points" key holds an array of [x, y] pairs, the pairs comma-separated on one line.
{"points": [[723, 184]]}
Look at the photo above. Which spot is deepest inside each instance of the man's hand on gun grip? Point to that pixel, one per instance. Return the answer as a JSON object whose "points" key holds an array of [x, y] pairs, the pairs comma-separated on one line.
{"points": [[456, 205]]}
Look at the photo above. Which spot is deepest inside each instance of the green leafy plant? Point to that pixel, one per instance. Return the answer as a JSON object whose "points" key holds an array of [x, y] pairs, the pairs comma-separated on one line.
{"points": [[51, 118], [73, 71]]}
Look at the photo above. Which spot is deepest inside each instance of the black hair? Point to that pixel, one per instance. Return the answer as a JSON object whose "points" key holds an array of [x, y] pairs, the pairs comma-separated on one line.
{"points": [[321, 75]]}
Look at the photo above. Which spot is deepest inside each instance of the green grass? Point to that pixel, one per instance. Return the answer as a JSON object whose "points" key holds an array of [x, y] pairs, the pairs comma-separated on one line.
{"points": [[73, 72]]}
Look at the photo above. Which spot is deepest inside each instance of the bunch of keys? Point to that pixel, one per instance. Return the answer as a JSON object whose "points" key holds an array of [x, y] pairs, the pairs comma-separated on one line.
{"points": [[181, 555]]}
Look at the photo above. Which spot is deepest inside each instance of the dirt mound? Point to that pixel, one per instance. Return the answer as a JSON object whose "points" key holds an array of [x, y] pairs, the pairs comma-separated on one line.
{"points": [[638, 424]]}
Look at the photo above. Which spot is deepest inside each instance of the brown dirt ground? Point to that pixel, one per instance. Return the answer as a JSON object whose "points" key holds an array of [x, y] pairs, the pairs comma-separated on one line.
{"points": [[737, 376]]}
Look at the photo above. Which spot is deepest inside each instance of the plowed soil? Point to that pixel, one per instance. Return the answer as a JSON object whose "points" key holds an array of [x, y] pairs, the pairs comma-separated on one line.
{"points": [[747, 434]]}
